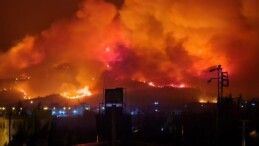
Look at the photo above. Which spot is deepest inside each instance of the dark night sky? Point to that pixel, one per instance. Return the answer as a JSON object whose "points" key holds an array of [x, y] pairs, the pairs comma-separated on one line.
{"points": [[26, 17]]}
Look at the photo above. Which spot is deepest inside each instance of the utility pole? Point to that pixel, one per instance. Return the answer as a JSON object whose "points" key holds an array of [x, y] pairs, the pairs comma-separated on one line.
{"points": [[223, 81], [244, 133], [182, 135], [113, 117], [9, 125], [220, 86]]}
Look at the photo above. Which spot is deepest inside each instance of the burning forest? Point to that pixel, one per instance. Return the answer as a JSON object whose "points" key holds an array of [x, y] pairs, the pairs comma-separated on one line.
{"points": [[94, 44]]}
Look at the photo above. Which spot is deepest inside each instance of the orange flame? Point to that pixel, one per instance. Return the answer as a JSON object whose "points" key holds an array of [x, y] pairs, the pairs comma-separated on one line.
{"points": [[176, 41], [207, 100], [25, 94], [80, 93]]}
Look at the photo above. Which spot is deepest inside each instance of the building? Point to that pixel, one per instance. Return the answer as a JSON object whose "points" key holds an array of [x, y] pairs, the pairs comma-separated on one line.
{"points": [[9, 127], [114, 124]]}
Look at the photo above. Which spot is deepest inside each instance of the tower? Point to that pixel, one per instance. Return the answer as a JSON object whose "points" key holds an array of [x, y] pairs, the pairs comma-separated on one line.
{"points": [[113, 124]]}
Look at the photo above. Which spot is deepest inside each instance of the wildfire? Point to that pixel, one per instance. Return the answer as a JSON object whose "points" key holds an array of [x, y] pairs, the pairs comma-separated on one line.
{"points": [[152, 84], [109, 56], [76, 94], [178, 85], [25, 94], [202, 101], [166, 43], [107, 49], [207, 100]]}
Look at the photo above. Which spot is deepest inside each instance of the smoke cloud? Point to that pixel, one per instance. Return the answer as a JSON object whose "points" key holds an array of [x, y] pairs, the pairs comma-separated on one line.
{"points": [[164, 42]]}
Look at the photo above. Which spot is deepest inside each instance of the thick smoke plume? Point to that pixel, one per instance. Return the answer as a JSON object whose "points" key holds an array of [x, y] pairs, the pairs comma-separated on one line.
{"points": [[164, 42]]}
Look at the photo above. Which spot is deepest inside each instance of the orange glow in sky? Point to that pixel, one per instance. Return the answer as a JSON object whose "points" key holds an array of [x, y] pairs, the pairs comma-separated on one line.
{"points": [[166, 43]]}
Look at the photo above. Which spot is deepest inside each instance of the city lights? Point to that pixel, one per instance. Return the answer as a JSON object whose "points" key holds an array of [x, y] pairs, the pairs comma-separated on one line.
{"points": [[45, 108], [129, 72]]}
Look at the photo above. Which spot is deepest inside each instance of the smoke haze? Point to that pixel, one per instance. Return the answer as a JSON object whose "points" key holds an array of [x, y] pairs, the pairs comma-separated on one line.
{"points": [[161, 42]]}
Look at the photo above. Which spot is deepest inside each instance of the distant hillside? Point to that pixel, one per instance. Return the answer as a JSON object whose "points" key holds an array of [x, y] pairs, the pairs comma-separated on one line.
{"points": [[136, 94]]}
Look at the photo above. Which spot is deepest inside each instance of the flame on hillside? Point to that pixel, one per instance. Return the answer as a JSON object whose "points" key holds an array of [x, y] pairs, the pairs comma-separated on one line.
{"points": [[163, 42], [76, 94]]}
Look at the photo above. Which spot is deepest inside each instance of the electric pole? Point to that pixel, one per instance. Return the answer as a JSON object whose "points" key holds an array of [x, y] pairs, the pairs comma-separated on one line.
{"points": [[223, 81]]}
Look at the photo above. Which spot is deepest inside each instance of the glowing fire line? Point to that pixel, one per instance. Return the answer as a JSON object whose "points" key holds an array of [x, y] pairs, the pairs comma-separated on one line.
{"points": [[80, 93], [25, 94], [207, 100], [152, 84]]}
